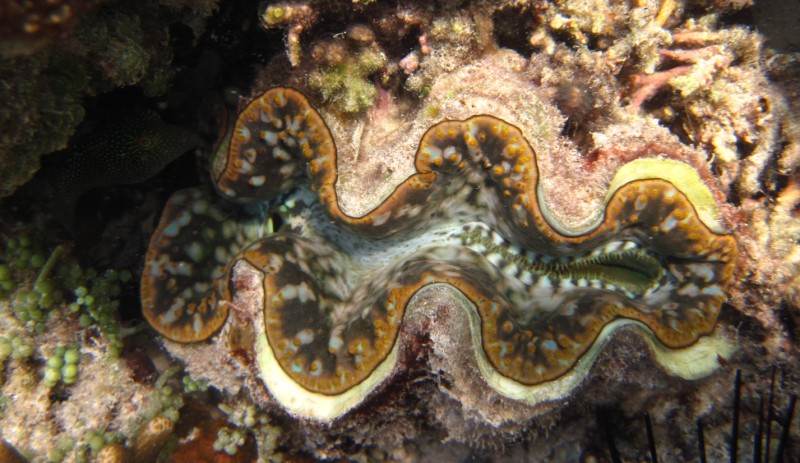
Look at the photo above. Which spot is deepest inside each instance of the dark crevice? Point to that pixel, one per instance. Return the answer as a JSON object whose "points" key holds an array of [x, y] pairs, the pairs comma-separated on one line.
{"points": [[744, 148], [512, 28], [789, 317], [744, 16], [733, 197]]}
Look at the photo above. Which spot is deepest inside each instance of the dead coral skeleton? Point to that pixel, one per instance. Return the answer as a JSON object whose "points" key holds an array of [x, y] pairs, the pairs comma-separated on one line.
{"points": [[648, 85], [295, 17], [702, 65], [729, 105]]}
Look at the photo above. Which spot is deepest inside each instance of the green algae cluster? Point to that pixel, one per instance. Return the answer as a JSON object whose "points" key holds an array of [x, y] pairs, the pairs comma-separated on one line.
{"points": [[41, 282], [15, 347], [245, 420], [62, 366], [229, 440], [346, 84], [346, 65]]}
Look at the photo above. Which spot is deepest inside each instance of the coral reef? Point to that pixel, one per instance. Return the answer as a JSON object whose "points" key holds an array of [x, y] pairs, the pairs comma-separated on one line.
{"points": [[271, 291], [41, 108], [28, 26], [70, 50]]}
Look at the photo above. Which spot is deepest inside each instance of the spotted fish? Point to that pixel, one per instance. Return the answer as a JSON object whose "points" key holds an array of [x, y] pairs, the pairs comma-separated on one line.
{"points": [[126, 151]]}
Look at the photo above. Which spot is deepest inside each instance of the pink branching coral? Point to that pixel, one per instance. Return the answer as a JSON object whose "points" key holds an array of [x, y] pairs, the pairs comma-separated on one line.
{"points": [[703, 64], [648, 85]]}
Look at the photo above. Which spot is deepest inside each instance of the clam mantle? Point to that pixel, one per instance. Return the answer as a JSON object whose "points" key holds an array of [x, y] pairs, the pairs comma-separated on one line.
{"points": [[542, 299]]}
